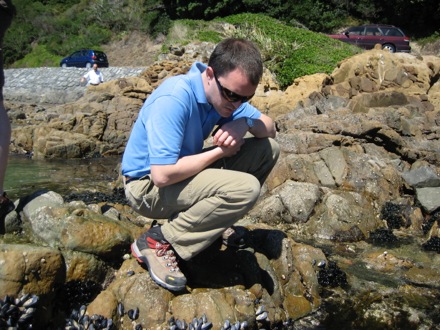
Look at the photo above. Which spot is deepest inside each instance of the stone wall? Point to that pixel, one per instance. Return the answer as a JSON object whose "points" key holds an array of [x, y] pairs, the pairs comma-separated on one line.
{"points": [[55, 85]]}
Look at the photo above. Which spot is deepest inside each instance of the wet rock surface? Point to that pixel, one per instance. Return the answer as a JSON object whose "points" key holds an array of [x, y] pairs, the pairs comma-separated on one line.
{"points": [[345, 234]]}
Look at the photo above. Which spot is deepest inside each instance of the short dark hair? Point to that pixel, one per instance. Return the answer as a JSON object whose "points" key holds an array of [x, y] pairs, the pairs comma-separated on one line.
{"points": [[233, 53]]}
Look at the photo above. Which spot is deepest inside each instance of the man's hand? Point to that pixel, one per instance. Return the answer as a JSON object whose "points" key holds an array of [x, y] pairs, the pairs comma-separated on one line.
{"points": [[231, 150], [231, 134]]}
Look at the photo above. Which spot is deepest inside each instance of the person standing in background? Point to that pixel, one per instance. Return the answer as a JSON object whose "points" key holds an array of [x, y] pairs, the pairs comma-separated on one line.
{"points": [[7, 12], [93, 77]]}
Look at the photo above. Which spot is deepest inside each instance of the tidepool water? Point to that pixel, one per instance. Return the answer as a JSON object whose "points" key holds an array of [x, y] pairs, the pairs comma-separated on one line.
{"points": [[25, 175]]}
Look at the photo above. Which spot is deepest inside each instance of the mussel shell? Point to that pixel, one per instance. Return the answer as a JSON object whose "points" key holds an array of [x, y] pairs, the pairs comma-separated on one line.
{"points": [[262, 316], [181, 324], [206, 326], [133, 314], [13, 310], [32, 301], [261, 309], [25, 318], [121, 310], [22, 299], [81, 312]]}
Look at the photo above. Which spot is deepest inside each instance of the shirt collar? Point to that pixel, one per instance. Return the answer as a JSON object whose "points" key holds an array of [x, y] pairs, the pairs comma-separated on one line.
{"points": [[195, 76]]}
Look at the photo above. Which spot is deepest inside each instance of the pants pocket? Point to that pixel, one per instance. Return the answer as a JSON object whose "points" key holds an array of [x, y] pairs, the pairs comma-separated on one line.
{"points": [[137, 193]]}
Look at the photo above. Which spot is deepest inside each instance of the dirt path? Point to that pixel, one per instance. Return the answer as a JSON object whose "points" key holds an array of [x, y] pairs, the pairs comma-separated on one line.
{"points": [[135, 50]]}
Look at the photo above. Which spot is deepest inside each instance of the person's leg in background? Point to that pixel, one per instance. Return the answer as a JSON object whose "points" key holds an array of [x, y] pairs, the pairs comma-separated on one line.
{"points": [[7, 12]]}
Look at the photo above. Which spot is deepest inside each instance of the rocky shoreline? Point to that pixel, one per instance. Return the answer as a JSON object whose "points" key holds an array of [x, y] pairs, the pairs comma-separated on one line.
{"points": [[345, 234]]}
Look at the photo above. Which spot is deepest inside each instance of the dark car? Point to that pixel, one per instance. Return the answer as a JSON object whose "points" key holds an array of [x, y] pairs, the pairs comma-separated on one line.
{"points": [[85, 58], [367, 36]]}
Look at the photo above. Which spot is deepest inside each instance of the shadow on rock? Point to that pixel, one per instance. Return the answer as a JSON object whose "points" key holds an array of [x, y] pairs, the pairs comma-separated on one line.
{"points": [[219, 266]]}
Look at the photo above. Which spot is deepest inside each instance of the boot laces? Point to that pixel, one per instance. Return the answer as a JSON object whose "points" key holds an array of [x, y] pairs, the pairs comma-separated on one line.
{"points": [[164, 251]]}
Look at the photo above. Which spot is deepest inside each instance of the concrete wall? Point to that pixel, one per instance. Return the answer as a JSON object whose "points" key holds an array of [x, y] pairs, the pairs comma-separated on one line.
{"points": [[54, 85]]}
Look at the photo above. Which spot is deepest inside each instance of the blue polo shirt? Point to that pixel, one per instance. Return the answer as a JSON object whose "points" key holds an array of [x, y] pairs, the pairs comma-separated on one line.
{"points": [[174, 122]]}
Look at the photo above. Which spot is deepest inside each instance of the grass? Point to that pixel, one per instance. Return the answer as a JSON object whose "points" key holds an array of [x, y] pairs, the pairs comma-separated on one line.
{"points": [[39, 57], [288, 52]]}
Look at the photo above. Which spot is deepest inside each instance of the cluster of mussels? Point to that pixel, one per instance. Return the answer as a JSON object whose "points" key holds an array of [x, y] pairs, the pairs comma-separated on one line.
{"points": [[433, 244], [17, 313], [196, 324], [331, 275], [90, 197], [79, 320], [203, 324], [133, 315], [383, 237]]}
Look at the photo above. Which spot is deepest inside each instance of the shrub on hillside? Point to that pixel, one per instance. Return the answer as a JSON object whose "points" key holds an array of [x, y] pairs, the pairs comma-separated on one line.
{"points": [[292, 52], [287, 51]]}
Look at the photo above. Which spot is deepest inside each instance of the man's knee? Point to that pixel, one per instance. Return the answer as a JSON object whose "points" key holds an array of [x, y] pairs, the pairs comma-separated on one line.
{"points": [[268, 148], [251, 189], [274, 148]]}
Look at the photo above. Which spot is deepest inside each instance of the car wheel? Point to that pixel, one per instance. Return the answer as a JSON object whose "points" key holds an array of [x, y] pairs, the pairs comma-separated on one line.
{"points": [[64, 65], [391, 48], [88, 65]]}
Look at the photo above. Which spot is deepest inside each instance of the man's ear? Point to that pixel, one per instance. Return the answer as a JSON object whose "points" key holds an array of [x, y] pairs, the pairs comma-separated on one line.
{"points": [[210, 72]]}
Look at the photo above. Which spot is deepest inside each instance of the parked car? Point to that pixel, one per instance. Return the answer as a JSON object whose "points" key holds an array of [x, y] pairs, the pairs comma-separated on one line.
{"points": [[368, 35], [85, 58]]}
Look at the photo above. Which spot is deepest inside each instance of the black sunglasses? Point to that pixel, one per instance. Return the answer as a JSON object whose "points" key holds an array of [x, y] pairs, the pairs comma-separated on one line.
{"points": [[231, 96]]}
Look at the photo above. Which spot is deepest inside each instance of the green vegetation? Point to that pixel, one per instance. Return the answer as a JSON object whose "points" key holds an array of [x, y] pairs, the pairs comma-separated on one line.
{"points": [[416, 17], [186, 31], [431, 39], [63, 26], [39, 57], [290, 52], [287, 51]]}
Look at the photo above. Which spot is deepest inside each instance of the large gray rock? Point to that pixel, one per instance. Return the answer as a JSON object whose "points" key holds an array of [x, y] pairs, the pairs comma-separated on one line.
{"points": [[422, 177], [429, 198]]}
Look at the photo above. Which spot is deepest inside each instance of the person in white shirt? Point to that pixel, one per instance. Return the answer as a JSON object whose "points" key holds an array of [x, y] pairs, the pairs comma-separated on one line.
{"points": [[93, 77]]}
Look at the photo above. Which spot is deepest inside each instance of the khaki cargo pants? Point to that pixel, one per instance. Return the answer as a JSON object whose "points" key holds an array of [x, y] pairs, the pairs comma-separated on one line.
{"points": [[201, 208]]}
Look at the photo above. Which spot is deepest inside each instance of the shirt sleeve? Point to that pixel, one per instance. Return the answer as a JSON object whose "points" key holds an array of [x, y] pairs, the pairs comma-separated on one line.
{"points": [[165, 130]]}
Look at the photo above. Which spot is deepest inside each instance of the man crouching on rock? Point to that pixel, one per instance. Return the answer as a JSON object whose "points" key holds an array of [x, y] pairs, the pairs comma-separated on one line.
{"points": [[202, 192]]}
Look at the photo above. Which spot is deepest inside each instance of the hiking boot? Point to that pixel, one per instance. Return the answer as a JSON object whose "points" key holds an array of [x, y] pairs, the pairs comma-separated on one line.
{"points": [[6, 206], [235, 237], [152, 249]]}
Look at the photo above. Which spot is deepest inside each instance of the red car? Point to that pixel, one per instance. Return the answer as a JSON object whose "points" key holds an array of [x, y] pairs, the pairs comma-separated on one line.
{"points": [[367, 36]]}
